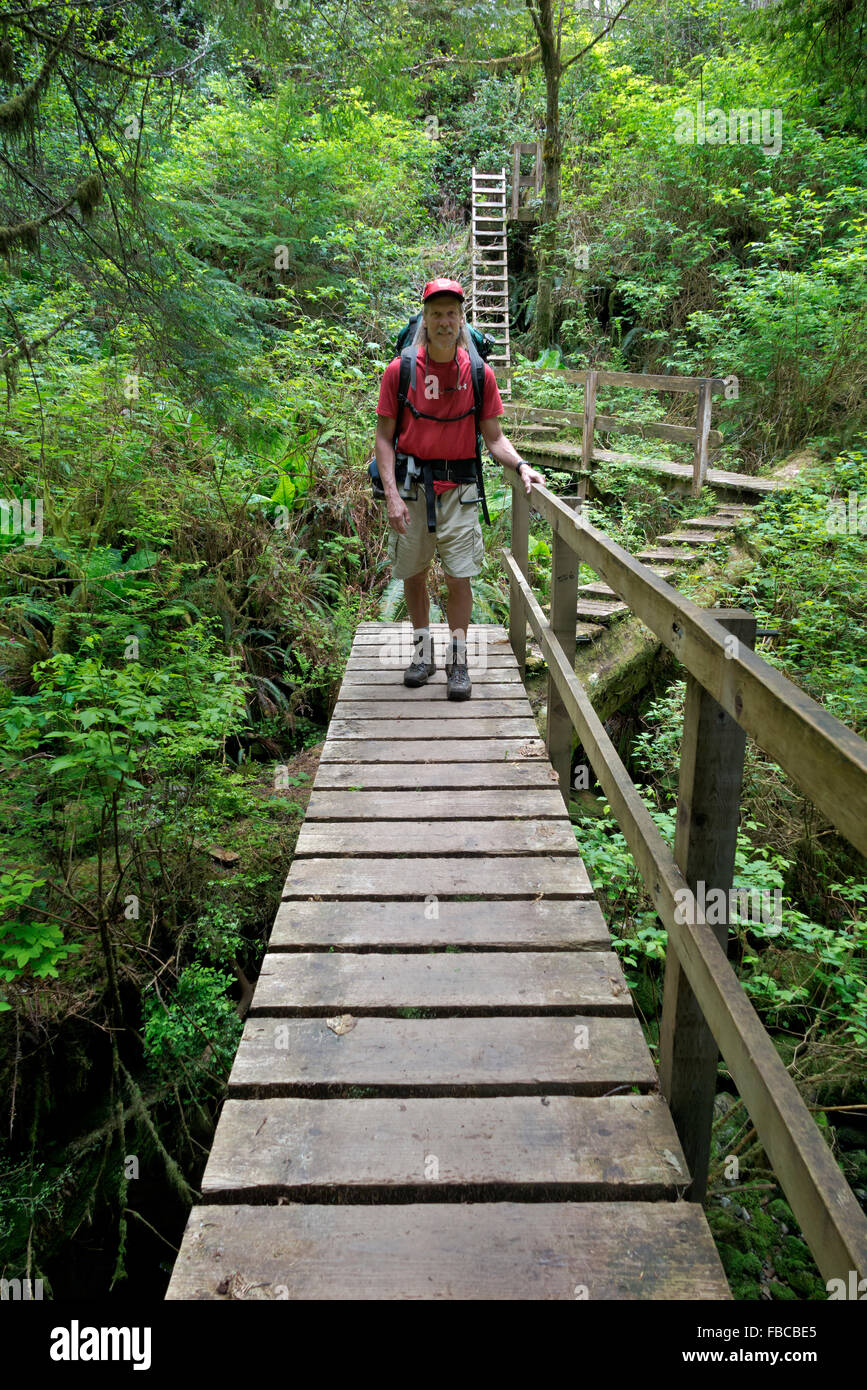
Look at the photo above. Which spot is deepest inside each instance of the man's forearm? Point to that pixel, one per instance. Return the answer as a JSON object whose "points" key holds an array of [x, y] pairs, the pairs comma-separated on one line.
{"points": [[504, 451], [385, 463]]}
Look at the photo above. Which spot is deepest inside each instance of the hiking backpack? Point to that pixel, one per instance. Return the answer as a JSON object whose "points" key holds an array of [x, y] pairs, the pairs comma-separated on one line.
{"points": [[480, 345]]}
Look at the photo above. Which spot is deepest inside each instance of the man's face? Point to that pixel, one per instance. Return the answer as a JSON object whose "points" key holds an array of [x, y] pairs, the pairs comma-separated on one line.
{"points": [[442, 319]]}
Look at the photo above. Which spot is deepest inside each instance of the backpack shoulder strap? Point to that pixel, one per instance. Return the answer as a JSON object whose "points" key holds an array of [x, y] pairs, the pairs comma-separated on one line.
{"points": [[406, 380], [477, 374]]}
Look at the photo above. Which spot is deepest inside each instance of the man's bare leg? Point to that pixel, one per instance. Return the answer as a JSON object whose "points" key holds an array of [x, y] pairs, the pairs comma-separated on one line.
{"points": [[459, 608], [417, 601]]}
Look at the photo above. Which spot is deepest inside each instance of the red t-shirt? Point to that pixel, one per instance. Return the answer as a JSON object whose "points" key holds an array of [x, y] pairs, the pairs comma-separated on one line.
{"points": [[428, 438]]}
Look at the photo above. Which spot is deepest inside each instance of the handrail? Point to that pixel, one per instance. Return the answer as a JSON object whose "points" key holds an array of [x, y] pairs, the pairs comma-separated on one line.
{"points": [[703, 387], [826, 759], [823, 1203]]}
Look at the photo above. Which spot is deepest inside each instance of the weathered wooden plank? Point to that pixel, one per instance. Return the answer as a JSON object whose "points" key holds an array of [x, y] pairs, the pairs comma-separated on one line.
{"points": [[616, 1251], [564, 600], [389, 686], [431, 750], [432, 727], [529, 772], [427, 837], [564, 456], [596, 589], [678, 557], [401, 710], [599, 1147], [702, 430], [589, 415], [399, 660], [708, 799], [542, 925], [437, 805], [555, 876], [507, 682], [334, 982], [523, 1054], [691, 537], [611, 424], [645, 381], [593, 608]]}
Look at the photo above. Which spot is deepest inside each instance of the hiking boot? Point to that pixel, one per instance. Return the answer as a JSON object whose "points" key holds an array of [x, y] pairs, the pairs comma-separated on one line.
{"points": [[418, 671], [458, 683]]}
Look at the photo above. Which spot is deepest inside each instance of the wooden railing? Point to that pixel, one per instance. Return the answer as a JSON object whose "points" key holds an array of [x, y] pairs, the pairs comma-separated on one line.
{"points": [[700, 435], [731, 693]]}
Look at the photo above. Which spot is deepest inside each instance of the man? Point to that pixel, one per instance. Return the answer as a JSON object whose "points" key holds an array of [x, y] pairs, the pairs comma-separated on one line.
{"points": [[438, 425]]}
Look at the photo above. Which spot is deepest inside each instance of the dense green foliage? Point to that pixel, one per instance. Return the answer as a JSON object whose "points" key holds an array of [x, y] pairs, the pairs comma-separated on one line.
{"points": [[211, 229]]}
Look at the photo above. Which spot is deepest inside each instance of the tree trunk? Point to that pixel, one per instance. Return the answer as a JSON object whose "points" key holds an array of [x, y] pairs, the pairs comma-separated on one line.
{"points": [[549, 40]]}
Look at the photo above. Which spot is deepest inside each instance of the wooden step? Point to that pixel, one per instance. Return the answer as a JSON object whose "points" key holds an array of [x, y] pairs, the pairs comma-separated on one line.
{"points": [[561, 876], [494, 683], [417, 776], [712, 523], [679, 557], [485, 691], [459, 805], [435, 837], [517, 924], [597, 1147], [498, 982], [430, 728], [456, 1251], [520, 1055], [394, 657], [398, 711], [427, 750], [590, 608], [597, 588], [690, 538]]}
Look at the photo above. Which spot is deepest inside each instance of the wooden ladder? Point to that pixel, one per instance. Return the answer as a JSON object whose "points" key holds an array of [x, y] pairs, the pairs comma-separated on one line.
{"points": [[490, 305]]}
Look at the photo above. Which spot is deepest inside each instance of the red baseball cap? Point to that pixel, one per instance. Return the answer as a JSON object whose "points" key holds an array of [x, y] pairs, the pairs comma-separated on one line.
{"points": [[442, 287]]}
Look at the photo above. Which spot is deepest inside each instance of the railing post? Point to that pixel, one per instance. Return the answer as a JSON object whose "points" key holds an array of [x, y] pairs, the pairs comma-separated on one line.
{"points": [[711, 773], [702, 427], [563, 619], [520, 548], [589, 422]]}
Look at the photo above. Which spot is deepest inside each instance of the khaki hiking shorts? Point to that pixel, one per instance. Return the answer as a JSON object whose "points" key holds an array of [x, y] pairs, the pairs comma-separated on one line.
{"points": [[457, 540]]}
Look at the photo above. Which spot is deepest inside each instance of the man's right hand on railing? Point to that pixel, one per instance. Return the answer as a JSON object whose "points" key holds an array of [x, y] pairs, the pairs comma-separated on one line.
{"points": [[529, 475]]}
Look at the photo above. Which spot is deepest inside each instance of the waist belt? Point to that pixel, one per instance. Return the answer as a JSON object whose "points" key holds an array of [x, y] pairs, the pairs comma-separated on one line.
{"points": [[443, 470]]}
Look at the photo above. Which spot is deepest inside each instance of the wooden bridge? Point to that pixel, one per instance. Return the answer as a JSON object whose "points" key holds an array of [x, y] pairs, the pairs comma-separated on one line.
{"points": [[442, 1090]]}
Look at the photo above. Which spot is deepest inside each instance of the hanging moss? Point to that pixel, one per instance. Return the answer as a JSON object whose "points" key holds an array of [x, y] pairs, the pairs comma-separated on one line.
{"points": [[22, 233], [88, 194], [18, 113], [10, 371], [7, 61]]}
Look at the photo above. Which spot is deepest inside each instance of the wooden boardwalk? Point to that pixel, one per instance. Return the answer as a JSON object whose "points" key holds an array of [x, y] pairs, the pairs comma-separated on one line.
{"points": [[442, 1090]]}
